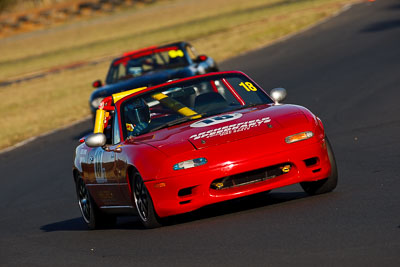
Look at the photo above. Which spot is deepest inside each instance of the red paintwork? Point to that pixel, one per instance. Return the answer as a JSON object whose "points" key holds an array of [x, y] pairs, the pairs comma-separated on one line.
{"points": [[96, 84], [215, 89], [143, 52], [202, 58], [139, 50], [106, 104], [154, 154]]}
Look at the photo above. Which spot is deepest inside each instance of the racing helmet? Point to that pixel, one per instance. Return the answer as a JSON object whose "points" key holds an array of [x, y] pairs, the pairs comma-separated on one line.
{"points": [[137, 112], [134, 68]]}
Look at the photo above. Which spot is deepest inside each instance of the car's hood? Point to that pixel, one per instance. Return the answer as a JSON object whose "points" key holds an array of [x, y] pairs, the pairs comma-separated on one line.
{"points": [[148, 79], [224, 128]]}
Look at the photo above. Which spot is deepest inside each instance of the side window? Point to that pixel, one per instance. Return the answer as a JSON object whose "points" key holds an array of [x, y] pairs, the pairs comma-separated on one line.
{"points": [[191, 52], [108, 129], [116, 134], [116, 72]]}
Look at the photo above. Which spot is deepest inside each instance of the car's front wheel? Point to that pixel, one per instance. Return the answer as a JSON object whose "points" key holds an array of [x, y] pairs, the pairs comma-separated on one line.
{"points": [[325, 185], [144, 204], [91, 214]]}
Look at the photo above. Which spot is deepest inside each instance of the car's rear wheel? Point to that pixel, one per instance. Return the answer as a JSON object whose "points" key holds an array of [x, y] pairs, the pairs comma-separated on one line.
{"points": [[91, 214], [327, 184], [144, 204]]}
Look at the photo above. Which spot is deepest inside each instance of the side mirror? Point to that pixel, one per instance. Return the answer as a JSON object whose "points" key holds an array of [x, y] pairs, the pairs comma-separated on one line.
{"points": [[278, 95], [97, 84], [96, 140], [201, 58]]}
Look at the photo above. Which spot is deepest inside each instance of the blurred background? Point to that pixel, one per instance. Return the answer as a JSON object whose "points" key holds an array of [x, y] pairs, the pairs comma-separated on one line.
{"points": [[52, 50]]}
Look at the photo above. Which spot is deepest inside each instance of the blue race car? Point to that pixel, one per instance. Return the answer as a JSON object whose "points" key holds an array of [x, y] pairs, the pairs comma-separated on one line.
{"points": [[150, 66]]}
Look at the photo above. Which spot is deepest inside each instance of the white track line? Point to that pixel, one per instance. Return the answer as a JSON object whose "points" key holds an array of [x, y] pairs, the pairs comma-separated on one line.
{"points": [[31, 139]]}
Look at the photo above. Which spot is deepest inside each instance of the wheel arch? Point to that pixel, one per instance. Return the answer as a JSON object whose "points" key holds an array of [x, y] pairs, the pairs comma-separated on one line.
{"points": [[129, 175]]}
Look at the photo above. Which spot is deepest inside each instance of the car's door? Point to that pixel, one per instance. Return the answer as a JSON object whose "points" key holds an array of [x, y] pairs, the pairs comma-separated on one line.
{"points": [[101, 172], [120, 170]]}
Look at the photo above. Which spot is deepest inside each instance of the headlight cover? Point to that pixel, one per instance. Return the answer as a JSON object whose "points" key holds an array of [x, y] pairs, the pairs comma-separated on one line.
{"points": [[96, 102], [187, 164], [299, 137]]}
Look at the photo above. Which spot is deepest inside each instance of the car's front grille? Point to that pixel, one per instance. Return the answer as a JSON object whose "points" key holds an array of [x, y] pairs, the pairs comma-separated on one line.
{"points": [[250, 177]]}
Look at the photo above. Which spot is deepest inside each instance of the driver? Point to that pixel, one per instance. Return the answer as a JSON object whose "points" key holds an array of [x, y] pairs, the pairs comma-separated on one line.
{"points": [[137, 117], [134, 68]]}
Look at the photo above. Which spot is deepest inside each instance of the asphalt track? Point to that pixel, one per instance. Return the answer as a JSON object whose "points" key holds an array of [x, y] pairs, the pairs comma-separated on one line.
{"points": [[347, 71]]}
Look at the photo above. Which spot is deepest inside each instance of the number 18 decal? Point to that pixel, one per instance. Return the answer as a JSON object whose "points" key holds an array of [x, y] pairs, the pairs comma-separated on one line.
{"points": [[248, 86]]}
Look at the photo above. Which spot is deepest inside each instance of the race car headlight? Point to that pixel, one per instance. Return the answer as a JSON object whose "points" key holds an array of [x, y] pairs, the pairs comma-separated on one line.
{"points": [[298, 137], [187, 164], [96, 102]]}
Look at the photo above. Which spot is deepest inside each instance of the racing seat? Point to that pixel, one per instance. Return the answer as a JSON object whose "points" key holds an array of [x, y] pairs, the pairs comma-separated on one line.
{"points": [[210, 101]]}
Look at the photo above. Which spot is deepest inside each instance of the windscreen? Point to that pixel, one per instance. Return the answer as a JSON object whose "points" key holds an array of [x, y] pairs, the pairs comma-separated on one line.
{"points": [[141, 63], [187, 101]]}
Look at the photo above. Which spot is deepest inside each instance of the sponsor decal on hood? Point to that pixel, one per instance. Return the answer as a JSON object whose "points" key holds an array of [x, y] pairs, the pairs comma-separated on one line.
{"points": [[230, 129]]}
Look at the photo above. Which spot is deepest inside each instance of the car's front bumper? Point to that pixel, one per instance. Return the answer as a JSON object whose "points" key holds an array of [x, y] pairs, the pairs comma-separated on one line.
{"points": [[184, 193]]}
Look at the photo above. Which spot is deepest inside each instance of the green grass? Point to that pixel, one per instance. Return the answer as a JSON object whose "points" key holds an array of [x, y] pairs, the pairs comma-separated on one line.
{"points": [[229, 28]]}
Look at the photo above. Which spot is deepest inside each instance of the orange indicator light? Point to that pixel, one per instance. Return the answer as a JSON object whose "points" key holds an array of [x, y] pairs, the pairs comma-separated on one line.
{"points": [[298, 137], [160, 185]]}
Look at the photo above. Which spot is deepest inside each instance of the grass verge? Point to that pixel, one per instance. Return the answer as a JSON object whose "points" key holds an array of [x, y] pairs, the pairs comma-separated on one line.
{"points": [[229, 28]]}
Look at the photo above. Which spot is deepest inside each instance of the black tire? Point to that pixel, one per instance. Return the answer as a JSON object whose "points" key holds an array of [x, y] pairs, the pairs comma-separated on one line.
{"points": [[325, 185], [91, 214], [144, 204]]}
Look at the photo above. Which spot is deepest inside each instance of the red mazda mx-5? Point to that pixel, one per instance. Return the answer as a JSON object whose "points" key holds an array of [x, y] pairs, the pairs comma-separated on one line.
{"points": [[184, 144]]}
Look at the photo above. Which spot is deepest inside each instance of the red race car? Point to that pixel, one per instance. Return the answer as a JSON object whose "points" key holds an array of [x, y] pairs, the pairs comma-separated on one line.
{"points": [[181, 145]]}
